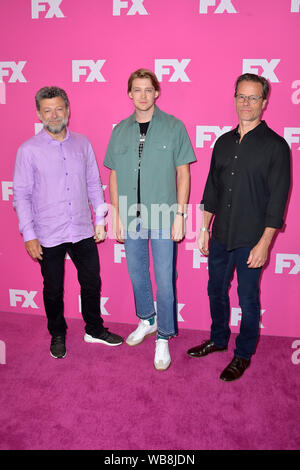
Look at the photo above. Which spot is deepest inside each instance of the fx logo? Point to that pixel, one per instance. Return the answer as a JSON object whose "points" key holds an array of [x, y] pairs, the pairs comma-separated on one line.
{"points": [[16, 295], [39, 5], [2, 92], [295, 6], [291, 135], [252, 66], [236, 316], [204, 133], [13, 70], [162, 67], [136, 7], [102, 303], [7, 190], [81, 67], [119, 253], [292, 262], [2, 353], [198, 259], [179, 308], [224, 5]]}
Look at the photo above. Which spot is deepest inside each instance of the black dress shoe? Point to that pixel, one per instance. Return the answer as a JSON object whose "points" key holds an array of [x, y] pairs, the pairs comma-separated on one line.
{"points": [[205, 348], [235, 369]]}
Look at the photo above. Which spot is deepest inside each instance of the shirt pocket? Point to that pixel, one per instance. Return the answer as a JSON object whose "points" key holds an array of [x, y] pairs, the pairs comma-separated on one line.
{"points": [[121, 157], [161, 155]]}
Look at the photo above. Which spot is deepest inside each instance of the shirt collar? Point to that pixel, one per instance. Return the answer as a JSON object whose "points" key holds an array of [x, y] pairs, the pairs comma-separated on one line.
{"points": [[156, 115], [258, 129]]}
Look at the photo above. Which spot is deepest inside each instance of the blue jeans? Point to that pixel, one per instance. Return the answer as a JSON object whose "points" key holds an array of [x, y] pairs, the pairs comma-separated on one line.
{"points": [[221, 264], [164, 252]]}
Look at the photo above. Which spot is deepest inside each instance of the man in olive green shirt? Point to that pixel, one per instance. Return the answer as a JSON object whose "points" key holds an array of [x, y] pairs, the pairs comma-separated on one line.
{"points": [[149, 155]]}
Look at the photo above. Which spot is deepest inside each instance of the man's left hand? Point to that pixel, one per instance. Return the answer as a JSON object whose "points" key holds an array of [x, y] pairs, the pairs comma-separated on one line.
{"points": [[258, 255], [100, 233]]}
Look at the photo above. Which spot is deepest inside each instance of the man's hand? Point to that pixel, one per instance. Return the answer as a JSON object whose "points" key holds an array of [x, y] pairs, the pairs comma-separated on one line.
{"points": [[118, 229], [178, 228], [203, 242], [258, 255], [34, 249], [100, 233]]}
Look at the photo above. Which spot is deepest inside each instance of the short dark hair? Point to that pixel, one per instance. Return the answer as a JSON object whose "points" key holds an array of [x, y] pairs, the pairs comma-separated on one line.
{"points": [[251, 77], [49, 92], [144, 73]]}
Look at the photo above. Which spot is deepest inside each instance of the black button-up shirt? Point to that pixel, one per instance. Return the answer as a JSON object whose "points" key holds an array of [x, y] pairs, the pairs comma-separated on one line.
{"points": [[247, 185]]}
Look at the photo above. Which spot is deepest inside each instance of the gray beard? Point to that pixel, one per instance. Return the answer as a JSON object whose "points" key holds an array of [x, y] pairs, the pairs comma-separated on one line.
{"points": [[56, 130]]}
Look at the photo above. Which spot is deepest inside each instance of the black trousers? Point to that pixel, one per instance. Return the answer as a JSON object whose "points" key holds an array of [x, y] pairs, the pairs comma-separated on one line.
{"points": [[84, 255]]}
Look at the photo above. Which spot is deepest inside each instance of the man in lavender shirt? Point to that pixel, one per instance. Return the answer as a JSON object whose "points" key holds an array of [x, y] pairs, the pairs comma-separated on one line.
{"points": [[56, 179]]}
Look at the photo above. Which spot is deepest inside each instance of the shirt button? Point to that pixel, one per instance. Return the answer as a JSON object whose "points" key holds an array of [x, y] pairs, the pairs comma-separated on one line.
{"points": [[232, 172], [230, 189], [228, 205], [67, 174], [235, 156]]}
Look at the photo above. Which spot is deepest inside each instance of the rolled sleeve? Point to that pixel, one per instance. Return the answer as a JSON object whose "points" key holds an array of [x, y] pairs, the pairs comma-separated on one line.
{"points": [[278, 185], [210, 197]]}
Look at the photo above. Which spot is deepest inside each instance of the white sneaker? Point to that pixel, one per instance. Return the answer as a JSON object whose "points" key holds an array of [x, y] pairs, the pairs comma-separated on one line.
{"points": [[162, 359], [143, 330]]}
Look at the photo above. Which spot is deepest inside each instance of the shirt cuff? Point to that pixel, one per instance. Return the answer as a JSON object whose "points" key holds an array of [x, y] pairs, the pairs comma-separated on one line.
{"points": [[100, 220], [29, 234]]}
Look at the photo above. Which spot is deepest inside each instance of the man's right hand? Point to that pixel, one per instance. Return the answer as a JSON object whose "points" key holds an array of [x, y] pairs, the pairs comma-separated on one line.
{"points": [[34, 249]]}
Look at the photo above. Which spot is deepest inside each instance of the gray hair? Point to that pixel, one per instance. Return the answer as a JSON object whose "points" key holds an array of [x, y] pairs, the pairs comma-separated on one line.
{"points": [[251, 77], [49, 92]]}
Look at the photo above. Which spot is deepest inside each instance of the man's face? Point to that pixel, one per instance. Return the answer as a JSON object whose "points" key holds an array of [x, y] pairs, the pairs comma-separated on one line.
{"points": [[143, 94], [54, 114], [247, 109]]}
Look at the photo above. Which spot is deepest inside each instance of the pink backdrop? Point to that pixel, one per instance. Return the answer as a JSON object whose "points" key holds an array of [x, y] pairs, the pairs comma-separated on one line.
{"points": [[197, 49]]}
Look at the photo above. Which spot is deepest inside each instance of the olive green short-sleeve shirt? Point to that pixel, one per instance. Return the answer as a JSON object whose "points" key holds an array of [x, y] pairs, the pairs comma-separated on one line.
{"points": [[167, 146]]}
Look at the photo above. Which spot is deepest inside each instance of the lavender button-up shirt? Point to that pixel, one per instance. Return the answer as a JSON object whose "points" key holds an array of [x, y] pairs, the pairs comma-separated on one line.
{"points": [[54, 184]]}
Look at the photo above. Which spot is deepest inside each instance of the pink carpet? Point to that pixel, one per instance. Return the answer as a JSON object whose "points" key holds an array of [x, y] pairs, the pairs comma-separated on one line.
{"points": [[100, 397]]}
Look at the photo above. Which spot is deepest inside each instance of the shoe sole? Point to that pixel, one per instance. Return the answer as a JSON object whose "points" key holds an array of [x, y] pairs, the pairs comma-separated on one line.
{"points": [[57, 357], [161, 369], [207, 354], [101, 341], [147, 336]]}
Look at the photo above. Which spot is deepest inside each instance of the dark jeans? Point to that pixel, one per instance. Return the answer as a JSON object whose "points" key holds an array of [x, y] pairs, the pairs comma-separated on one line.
{"points": [[221, 264], [84, 255]]}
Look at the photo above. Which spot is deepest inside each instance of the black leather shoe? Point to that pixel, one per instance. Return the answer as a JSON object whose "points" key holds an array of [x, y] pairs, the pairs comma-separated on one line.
{"points": [[235, 369], [205, 348]]}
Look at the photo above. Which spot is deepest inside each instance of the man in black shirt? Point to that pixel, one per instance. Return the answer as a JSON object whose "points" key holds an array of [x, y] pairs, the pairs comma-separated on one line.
{"points": [[246, 193]]}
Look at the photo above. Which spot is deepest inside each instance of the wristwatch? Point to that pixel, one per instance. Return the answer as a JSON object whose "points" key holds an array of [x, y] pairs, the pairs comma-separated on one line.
{"points": [[182, 214]]}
